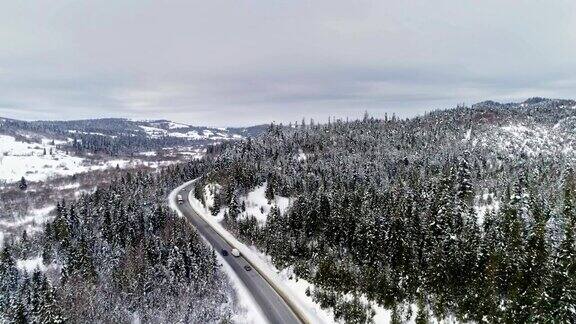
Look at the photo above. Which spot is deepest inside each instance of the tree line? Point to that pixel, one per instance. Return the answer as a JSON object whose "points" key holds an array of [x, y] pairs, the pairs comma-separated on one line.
{"points": [[117, 255], [391, 210]]}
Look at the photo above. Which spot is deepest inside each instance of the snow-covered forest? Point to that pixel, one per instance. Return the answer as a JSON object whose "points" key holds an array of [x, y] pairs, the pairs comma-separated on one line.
{"points": [[117, 255], [465, 214]]}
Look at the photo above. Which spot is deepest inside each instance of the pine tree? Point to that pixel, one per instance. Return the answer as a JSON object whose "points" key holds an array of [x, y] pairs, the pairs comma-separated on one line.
{"points": [[23, 185], [234, 208], [569, 189], [562, 287], [396, 317], [536, 268], [465, 188], [270, 192], [18, 312], [34, 302], [50, 312], [215, 209], [422, 317], [8, 278]]}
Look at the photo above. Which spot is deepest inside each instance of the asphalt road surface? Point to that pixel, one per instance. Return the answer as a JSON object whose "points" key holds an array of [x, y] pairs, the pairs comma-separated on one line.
{"points": [[271, 304]]}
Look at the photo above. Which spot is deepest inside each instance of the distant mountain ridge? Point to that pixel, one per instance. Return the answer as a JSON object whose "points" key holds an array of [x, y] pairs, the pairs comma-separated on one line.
{"points": [[123, 126], [530, 102], [125, 136]]}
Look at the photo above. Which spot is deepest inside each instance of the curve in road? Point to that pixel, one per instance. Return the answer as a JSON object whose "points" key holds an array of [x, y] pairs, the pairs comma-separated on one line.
{"points": [[272, 305]]}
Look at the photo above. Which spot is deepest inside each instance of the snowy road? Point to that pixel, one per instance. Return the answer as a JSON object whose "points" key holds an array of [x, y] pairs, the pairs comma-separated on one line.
{"points": [[271, 304]]}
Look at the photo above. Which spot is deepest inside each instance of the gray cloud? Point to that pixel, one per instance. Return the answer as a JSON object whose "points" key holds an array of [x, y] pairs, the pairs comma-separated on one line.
{"points": [[241, 62]]}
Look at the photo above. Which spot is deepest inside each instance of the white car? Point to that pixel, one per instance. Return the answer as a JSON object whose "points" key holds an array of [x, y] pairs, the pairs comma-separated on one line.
{"points": [[235, 252]]}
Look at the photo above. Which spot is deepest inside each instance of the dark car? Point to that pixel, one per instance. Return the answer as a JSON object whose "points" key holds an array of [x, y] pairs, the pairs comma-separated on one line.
{"points": [[224, 252], [247, 268]]}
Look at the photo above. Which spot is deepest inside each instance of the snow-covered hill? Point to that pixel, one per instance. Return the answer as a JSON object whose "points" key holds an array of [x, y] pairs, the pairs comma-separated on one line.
{"points": [[444, 211], [38, 150], [40, 161], [535, 127], [116, 136], [159, 129]]}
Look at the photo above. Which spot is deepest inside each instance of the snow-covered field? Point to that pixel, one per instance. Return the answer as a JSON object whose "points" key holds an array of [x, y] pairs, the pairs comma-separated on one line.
{"points": [[34, 161], [42, 161], [32, 222], [29, 265]]}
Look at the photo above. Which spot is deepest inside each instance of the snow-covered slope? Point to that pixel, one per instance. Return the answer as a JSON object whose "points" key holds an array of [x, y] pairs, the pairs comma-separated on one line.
{"points": [[530, 139], [34, 161], [156, 130], [45, 160], [258, 206]]}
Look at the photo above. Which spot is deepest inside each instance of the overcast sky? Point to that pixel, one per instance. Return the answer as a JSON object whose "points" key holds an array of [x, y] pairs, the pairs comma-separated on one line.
{"points": [[242, 62]]}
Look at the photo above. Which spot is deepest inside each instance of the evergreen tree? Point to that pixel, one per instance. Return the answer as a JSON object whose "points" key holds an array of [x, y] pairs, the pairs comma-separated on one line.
{"points": [[23, 185], [465, 188], [8, 278], [561, 291], [50, 311]]}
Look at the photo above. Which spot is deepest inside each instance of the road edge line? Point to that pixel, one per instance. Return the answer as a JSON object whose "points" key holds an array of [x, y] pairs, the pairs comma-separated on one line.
{"points": [[257, 264]]}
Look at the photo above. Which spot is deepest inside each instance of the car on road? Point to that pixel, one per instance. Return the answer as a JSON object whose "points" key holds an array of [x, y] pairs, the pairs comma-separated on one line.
{"points": [[180, 199], [235, 252], [247, 268], [224, 252]]}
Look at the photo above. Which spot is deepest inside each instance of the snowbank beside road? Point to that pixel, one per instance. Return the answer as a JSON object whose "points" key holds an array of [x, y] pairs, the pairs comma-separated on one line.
{"points": [[250, 313], [258, 206], [172, 197], [306, 312], [297, 286]]}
